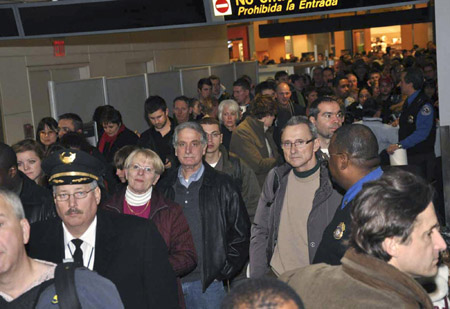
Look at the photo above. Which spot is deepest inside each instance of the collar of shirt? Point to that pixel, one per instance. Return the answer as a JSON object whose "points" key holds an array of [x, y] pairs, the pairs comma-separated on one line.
{"points": [[354, 190], [372, 119], [87, 246], [194, 177], [412, 97]]}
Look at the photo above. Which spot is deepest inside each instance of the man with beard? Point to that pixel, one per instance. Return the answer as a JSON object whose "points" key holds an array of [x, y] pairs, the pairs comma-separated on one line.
{"points": [[159, 137], [327, 115]]}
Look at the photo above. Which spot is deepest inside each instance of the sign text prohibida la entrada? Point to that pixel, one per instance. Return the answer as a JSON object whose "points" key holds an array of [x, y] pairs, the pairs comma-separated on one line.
{"points": [[248, 9]]}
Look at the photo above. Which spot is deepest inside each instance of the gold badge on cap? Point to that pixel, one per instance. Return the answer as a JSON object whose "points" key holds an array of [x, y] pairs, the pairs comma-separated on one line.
{"points": [[67, 159], [339, 231]]}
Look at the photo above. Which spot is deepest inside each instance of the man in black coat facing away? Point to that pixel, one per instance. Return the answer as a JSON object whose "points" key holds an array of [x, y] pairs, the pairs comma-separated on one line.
{"points": [[125, 249]]}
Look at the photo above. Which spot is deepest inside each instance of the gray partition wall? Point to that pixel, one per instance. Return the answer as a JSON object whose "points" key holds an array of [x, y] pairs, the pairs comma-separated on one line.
{"points": [[127, 95], [190, 78], [81, 97], [247, 68], [226, 74], [165, 84]]}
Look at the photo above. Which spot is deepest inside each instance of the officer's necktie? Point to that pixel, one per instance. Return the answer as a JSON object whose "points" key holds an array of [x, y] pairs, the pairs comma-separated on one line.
{"points": [[78, 254]]}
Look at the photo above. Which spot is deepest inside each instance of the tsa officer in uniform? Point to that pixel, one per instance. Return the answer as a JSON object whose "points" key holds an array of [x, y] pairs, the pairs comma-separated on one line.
{"points": [[417, 133], [353, 161]]}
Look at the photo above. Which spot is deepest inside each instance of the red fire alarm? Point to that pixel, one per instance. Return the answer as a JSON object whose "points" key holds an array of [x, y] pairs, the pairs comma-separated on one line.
{"points": [[59, 49]]}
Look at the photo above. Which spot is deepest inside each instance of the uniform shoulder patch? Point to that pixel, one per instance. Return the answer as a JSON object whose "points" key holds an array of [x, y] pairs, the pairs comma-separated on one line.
{"points": [[426, 110]]}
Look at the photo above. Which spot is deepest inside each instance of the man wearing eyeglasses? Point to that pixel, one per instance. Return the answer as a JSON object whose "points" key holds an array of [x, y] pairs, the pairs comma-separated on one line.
{"points": [[127, 250], [216, 216], [296, 204]]}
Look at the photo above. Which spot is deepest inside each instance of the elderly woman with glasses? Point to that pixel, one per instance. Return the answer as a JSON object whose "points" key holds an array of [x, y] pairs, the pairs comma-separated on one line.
{"points": [[143, 167]]}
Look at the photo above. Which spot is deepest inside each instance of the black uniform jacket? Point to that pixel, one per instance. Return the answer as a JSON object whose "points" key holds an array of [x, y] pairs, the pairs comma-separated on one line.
{"points": [[129, 251]]}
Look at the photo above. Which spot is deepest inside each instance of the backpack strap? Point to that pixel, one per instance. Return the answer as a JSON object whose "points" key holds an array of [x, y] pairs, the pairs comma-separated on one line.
{"points": [[65, 286]]}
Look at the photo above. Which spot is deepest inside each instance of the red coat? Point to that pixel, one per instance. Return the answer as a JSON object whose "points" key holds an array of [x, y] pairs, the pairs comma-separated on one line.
{"points": [[172, 225], [169, 219]]}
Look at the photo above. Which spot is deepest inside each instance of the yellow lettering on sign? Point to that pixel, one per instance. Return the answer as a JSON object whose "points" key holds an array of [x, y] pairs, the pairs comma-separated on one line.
{"points": [[312, 4]]}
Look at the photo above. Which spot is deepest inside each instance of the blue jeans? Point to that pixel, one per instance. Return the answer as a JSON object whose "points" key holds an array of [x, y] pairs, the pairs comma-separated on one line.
{"points": [[195, 299]]}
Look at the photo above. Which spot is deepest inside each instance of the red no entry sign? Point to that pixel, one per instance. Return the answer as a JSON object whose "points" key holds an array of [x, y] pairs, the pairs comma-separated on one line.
{"points": [[222, 6]]}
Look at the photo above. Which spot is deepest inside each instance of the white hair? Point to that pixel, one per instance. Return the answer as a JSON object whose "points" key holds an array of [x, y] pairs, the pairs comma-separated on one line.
{"points": [[13, 200]]}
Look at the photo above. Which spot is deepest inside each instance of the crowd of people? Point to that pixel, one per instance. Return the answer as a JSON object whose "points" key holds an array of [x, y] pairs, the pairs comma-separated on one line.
{"points": [[260, 182]]}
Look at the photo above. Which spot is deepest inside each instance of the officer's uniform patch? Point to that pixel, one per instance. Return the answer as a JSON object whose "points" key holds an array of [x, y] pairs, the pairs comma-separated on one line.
{"points": [[339, 231], [425, 111]]}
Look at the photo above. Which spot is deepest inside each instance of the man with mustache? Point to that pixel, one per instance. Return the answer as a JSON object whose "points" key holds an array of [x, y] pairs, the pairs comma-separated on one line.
{"points": [[127, 250]]}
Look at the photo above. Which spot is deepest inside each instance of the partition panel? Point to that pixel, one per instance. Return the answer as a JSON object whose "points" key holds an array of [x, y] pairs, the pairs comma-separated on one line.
{"points": [[165, 84], [226, 74], [128, 94], [190, 78], [247, 68], [81, 97]]}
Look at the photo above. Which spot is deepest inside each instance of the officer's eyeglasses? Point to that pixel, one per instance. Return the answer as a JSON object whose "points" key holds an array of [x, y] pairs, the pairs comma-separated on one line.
{"points": [[79, 195]]}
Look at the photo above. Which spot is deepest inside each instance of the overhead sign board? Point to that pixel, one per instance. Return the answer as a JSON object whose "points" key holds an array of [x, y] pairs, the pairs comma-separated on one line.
{"points": [[248, 9]]}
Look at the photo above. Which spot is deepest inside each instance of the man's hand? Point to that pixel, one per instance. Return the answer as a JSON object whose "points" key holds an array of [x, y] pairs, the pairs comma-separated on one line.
{"points": [[395, 122], [168, 164], [392, 148]]}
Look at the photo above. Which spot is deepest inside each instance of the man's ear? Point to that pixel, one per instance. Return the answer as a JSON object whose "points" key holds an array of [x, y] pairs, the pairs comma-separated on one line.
{"points": [[343, 161], [25, 230], [97, 194], [312, 119], [316, 144], [390, 245]]}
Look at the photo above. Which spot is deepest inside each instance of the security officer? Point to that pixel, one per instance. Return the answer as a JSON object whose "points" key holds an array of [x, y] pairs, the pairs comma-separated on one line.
{"points": [[417, 123], [353, 161]]}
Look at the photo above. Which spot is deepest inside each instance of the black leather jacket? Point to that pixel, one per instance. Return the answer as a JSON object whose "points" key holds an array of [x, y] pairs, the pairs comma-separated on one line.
{"points": [[37, 201], [225, 222]]}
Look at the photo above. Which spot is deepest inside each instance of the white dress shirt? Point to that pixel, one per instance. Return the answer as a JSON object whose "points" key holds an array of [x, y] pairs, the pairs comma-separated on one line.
{"points": [[88, 245]]}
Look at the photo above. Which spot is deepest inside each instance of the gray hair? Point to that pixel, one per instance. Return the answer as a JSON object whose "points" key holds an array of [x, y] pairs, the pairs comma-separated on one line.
{"points": [[232, 106], [189, 125], [93, 184], [13, 200], [296, 120]]}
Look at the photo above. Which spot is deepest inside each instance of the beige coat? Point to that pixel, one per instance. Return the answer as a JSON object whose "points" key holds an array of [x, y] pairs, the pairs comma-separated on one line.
{"points": [[249, 144]]}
